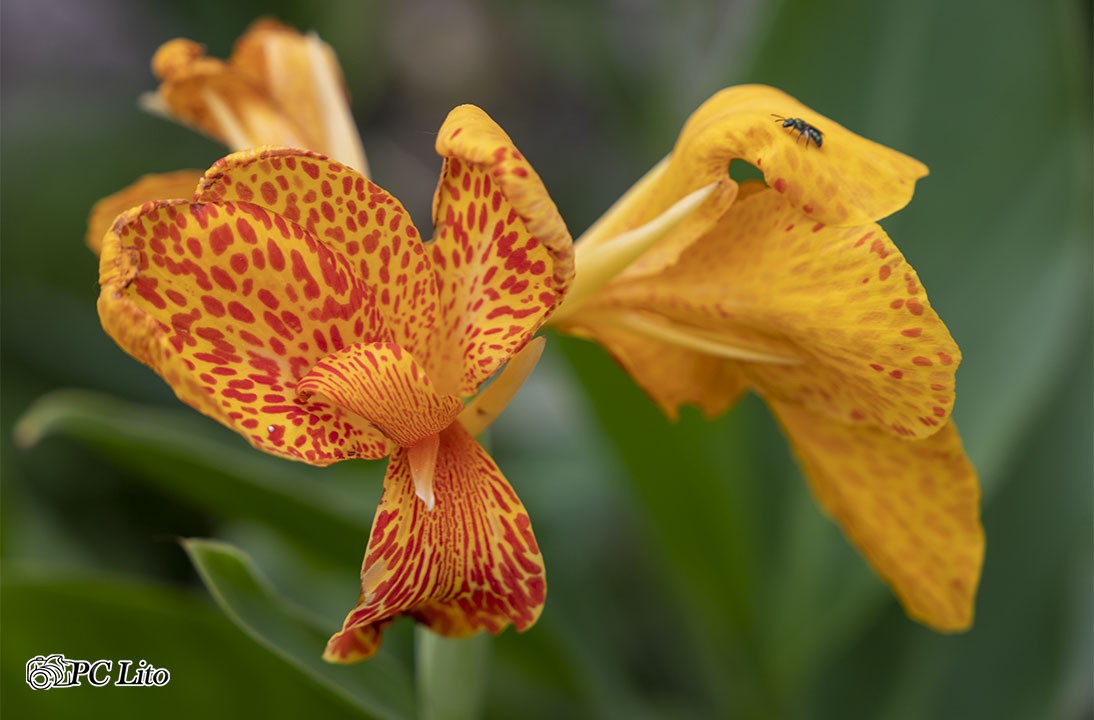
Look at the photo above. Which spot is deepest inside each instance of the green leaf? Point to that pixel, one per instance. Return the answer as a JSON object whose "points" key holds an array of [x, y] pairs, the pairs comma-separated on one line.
{"points": [[380, 686], [189, 456], [216, 671]]}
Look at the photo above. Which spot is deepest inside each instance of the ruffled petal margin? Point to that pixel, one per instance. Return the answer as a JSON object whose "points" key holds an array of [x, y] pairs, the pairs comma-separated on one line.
{"points": [[163, 186]]}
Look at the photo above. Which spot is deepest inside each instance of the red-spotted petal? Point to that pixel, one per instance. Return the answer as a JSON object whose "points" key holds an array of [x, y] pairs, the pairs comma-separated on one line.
{"points": [[468, 565], [912, 507], [232, 306], [164, 186], [842, 305], [352, 216], [383, 383], [502, 253]]}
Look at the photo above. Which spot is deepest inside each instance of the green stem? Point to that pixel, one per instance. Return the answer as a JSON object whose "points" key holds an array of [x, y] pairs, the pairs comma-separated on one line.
{"points": [[451, 675]]}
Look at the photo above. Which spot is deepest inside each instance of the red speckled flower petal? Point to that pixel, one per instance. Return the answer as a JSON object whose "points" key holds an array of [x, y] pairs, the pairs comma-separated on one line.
{"points": [[232, 306], [470, 564], [163, 186], [502, 253], [349, 214], [912, 507], [848, 181], [842, 301], [382, 383]]}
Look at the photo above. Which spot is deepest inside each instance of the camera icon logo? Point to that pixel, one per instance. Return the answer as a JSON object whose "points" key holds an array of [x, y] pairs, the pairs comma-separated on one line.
{"points": [[45, 672]]}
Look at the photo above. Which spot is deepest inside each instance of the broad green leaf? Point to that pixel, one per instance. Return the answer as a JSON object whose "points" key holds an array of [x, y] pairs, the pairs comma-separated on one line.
{"points": [[216, 671], [380, 686], [185, 454]]}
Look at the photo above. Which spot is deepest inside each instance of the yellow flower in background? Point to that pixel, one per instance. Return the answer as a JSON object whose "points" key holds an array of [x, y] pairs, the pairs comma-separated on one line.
{"points": [[293, 301], [703, 289], [279, 87]]}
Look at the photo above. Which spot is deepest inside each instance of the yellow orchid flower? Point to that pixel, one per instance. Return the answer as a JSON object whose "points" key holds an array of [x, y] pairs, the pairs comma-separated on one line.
{"points": [[279, 87], [703, 288], [292, 300]]}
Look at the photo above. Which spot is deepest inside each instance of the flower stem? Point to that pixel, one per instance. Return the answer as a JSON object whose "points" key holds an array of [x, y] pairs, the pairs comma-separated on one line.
{"points": [[451, 675]]}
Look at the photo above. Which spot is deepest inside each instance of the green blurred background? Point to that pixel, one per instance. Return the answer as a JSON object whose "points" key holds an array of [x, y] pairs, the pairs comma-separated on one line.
{"points": [[691, 574]]}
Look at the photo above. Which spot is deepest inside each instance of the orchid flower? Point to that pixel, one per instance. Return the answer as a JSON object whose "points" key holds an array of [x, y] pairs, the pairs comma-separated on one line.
{"points": [[292, 300], [703, 289]]}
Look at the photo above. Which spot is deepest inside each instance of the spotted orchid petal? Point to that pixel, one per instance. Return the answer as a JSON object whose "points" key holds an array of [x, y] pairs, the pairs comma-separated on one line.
{"points": [[842, 318], [469, 564], [503, 256], [279, 87], [849, 181], [352, 216], [179, 184], [911, 507], [232, 306]]}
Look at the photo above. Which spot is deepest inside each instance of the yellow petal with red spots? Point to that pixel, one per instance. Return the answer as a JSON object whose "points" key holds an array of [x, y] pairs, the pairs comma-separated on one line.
{"points": [[469, 564], [232, 307], [502, 253], [841, 305], [179, 184], [670, 374], [383, 383], [847, 181], [354, 217], [910, 506]]}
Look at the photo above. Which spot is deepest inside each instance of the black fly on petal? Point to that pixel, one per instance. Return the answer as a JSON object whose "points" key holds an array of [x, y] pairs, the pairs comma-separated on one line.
{"points": [[803, 128]]}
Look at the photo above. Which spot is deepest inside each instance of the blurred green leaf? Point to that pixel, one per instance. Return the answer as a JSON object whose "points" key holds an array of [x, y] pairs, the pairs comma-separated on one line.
{"points": [[379, 686], [216, 672], [178, 451]]}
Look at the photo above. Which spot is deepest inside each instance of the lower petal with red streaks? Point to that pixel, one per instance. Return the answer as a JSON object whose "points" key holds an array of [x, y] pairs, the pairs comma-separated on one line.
{"points": [[470, 564]]}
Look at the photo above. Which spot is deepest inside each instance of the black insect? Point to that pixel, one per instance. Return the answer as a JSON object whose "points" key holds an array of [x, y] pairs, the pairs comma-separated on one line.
{"points": [[804, 129]]}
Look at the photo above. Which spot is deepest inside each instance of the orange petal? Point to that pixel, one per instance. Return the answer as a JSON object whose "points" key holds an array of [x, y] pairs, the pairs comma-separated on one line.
{"points": [[179, 184], [468, 565], [912, 507], [671, 375], [843, 302], [348, 213], [847, 181], [232, 306], [502, 253], [301, 75], [383, 383], [212, 97]]}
